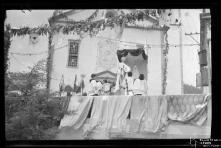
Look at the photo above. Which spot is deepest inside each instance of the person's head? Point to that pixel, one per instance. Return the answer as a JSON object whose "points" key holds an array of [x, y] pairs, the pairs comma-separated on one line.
{"points": [[141, 77], [93, 75], [129, 74], [91, 80], [123, 59]]}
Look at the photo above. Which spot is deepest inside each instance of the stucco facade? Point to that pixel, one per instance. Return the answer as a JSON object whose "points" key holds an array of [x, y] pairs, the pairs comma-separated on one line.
{"points": [[90, 60], [89, 57]]}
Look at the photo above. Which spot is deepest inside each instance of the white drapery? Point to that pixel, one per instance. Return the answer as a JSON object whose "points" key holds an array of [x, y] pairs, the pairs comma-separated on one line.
{"points": [[78, 108], [148, 114]]}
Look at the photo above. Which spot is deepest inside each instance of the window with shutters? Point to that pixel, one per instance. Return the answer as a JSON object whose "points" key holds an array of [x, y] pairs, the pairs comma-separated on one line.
{"points": [[73, 53]]}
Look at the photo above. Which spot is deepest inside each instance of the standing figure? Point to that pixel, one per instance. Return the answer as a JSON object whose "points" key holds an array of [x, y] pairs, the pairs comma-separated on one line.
{"points": [[82, 85], [130, 81], [121, 74], [136, 73], [140, 86]]}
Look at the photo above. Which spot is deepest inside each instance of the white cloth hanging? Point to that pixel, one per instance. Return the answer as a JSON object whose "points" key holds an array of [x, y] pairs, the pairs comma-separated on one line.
{"points": [[108, 114], [136, 73], [79, 106], [122, 69]]}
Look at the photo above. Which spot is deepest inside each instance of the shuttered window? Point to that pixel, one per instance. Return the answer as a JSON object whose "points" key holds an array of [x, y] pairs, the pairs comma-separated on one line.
{"points": [[73, 53]]}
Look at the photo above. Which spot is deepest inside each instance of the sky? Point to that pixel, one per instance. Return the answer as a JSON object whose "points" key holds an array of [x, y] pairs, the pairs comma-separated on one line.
{"points": [[190, 23]]}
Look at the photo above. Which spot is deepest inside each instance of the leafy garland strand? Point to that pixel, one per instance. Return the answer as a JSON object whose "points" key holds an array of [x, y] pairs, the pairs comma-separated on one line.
{"points": [[86, 26], [7, 44], [49, 59], [165, 53]]}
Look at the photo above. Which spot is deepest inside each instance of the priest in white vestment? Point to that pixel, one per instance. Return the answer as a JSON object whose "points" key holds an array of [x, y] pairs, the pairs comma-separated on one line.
{"points": [[121, 73]]}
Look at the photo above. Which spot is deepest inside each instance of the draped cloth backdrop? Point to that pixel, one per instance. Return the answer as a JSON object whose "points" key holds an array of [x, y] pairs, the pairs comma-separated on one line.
{"points": [[148, 114], [135, 58]]}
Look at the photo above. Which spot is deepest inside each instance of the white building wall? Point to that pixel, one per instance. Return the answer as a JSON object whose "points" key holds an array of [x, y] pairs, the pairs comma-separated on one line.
{"points": [[86, 61], [174, 66], [22, 44], [88, 54]]}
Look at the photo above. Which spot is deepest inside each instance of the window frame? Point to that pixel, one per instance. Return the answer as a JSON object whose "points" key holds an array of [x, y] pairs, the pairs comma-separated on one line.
{"points": [[71, 54]]}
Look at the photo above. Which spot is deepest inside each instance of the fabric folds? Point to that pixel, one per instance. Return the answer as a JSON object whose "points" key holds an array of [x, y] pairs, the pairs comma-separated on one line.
{"points": [[155, 115], [148, 114], [188, 108], [108, 114], [78, 110], [133, 52]]}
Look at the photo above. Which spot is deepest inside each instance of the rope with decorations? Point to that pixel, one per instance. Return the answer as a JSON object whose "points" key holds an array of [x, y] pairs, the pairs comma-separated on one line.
{"points": [[77, 27], [165, 54], [88, 25]]}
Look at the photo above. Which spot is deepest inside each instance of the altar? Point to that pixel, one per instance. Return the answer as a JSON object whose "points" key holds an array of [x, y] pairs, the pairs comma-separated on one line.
{"points": [[110, 117]]}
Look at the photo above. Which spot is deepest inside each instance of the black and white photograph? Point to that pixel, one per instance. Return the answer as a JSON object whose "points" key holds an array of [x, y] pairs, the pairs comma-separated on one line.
{"points": [[105, 74]]}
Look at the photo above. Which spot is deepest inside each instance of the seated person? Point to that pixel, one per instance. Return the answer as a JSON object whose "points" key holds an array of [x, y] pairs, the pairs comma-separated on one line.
{"points": [[140, 86], [106, 87], [93, 88], [99, 87]]}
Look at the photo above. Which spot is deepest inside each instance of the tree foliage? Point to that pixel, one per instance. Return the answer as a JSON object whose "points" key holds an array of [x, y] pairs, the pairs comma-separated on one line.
{"points": [[28, 82], [33, 115], [36, 119]]}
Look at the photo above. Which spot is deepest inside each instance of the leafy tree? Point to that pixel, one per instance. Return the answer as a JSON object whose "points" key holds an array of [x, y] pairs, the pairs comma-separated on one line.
{"points": [[33, 115], [37, 118], [27, 82]]}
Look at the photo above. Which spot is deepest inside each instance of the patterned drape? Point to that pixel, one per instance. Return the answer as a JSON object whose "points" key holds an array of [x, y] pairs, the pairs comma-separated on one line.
{"points": [[188, 108]]}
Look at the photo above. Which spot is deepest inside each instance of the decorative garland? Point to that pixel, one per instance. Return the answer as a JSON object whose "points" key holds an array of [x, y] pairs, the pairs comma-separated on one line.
{"points": [[7, 44], [87, 25], [165, 53]]}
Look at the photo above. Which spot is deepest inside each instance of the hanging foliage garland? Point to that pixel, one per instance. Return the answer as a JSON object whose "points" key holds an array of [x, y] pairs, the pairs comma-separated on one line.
{"points": [[165, 54], [7, 43], [88, 26]]}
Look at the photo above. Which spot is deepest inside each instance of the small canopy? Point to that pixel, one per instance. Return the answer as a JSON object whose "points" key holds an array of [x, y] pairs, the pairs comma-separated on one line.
{"points": [[106, 75], [132, 52]]}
